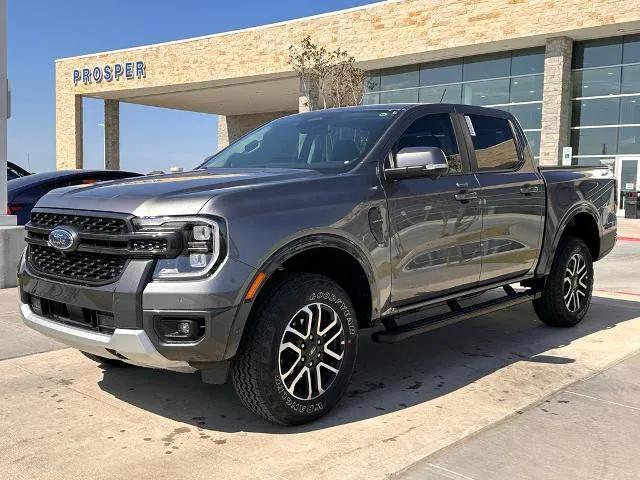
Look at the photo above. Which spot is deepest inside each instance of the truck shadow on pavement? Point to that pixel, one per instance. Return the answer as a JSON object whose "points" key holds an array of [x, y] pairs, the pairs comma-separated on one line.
{"points": [[388, 378]]}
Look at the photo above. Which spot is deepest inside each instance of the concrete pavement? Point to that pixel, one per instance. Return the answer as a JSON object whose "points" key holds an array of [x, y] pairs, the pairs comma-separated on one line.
{"points": [[589, 430], [62, 416]]}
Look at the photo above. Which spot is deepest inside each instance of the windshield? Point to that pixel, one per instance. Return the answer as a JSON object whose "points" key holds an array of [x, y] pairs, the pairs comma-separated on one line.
{"points": [[325, 140]]}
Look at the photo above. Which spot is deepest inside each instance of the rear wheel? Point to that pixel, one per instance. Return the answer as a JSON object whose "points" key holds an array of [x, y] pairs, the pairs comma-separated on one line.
{"points": [[567, 292], [299, 350], [112, 362]]}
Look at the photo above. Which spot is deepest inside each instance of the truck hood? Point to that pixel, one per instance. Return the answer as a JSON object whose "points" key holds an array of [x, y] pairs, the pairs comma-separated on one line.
{"points": [[177, 194]]}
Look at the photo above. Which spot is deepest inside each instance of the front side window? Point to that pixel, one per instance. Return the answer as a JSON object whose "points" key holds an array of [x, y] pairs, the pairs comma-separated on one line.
{"points": [[324, 140], [493, 142], [435, 130]]}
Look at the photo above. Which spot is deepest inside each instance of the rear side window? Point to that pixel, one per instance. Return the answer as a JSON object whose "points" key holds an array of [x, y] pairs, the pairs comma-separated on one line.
{"points": [[435, 130], [493, 142]]}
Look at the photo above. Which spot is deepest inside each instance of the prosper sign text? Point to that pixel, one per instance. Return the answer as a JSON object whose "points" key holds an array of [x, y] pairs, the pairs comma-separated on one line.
{"points": [[109, 73]]}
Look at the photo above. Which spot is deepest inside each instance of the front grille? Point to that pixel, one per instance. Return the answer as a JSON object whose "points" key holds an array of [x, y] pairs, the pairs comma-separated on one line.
{"points": [[90, 319], [149, 244], [82, 222], [76, 266]]}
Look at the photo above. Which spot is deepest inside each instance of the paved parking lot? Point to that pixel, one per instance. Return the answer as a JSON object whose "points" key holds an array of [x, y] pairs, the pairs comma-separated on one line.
{"points": [[471, 394]]}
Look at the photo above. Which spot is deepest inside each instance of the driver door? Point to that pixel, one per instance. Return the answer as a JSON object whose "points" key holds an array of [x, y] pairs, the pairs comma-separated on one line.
{"points": [[435, 238]]}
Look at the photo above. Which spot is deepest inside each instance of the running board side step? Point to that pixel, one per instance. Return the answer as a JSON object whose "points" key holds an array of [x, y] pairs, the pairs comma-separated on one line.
{"points": [[395, 333]]}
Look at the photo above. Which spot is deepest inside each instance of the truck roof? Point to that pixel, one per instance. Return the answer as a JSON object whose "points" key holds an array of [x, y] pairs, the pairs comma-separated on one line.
{"points": [[439, 107]]}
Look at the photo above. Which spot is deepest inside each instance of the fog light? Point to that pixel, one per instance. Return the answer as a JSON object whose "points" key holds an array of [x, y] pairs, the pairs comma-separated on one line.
{"points": [[183, 328]]}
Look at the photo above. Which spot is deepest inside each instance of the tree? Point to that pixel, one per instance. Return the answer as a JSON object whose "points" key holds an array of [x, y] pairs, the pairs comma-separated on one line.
{"points": [[327, 78]]}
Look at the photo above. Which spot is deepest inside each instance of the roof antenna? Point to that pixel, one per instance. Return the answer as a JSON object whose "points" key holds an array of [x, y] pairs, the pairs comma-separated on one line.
{"points": [[443, 94]]}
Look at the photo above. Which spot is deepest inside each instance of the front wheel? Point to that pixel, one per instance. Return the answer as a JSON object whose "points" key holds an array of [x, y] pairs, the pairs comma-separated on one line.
{"points": [[567, 292], [299, 350]]}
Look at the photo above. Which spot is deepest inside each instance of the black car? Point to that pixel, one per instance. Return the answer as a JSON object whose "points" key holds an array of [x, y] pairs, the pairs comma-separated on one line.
{"points": [[23, 192], [14, 171]]}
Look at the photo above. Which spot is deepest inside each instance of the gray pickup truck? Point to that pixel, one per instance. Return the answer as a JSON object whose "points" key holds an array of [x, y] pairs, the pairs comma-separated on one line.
{"points": [[265, 263]]}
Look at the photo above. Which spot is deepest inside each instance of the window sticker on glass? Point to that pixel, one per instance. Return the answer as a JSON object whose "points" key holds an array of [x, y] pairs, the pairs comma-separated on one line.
{"points": [[470, 125]]}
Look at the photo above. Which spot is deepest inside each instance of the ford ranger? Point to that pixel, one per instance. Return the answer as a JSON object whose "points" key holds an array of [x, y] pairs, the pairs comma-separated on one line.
{"points": [[264, 264]]}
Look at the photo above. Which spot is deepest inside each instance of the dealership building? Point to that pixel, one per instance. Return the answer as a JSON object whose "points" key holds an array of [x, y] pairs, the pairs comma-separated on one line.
{"points": [[568, 69]]}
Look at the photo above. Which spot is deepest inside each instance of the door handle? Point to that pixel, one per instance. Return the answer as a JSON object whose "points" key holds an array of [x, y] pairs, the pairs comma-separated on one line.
{"points": [[529, 189], [462, 184], [464, 197]]}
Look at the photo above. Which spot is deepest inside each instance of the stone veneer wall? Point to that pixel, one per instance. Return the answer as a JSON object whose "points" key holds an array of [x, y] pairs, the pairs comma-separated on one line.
{"points": [[556, 100], [409, 31]]}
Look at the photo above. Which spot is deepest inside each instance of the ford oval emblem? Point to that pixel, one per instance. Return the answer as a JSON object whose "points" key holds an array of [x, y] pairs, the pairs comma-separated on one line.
{"points": [[62, 239]]}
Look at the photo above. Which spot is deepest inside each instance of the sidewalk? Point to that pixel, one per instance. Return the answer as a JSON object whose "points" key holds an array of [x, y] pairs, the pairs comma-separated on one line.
{"points": [[589, 430], [628, 229]]}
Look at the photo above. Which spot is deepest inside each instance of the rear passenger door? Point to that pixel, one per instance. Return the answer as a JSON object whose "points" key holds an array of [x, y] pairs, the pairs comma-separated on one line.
{"points": [[512, 197], [435, 229]]}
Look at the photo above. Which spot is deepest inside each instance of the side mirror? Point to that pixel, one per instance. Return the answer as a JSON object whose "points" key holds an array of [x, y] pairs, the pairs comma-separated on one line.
{"points": [[414, 162]]}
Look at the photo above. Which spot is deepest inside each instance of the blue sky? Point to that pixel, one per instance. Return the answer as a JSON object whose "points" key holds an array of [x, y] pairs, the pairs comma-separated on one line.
{"points": [[151, 138]]}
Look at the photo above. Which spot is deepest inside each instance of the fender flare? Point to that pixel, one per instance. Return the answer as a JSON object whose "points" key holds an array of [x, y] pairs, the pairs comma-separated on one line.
{"points": [[275, 261], [550, 251]]}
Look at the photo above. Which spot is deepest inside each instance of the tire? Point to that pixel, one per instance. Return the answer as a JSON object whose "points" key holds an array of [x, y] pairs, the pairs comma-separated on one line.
{"points": [[303, 327], [112, 362], [567, 291]]}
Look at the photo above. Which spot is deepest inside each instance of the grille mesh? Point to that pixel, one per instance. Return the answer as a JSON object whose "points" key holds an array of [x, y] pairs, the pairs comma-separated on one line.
{"points": [[82, 222], [149, 244], [77, 266]]}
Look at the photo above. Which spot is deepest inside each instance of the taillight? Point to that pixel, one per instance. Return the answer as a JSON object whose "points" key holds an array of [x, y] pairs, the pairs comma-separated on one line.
{"points": [[12, 209], [89, 181]]}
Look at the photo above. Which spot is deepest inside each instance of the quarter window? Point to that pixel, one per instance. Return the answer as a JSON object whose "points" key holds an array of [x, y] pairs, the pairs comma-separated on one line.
{"points": [[493, 142], [435, 130]]}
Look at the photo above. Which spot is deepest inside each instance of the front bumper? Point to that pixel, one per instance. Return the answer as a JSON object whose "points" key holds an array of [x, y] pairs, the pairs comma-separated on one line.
{"points": [[129, 345], [135, 304]]}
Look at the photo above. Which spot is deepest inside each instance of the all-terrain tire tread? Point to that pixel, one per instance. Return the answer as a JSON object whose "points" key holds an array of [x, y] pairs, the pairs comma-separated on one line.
{"points": [[253, 351], [550, 307]]}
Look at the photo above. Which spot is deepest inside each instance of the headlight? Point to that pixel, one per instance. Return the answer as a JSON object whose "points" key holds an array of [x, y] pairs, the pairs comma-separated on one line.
{"points": [[201, 245]]}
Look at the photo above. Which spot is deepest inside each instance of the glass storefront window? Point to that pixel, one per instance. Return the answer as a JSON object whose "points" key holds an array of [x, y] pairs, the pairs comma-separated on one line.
{"points": [[371, 98], [488, 92], [405, 77], [595, 141], [616, 77], [600, 81], [400, 96], [629, 141], [593, 161], [526, 89], [527, 61], [501, 79], [438, 73], [529, 115], [493, 65], [441, 94], [372, 82], [631, 49], [631, 79], [597, 111], [597, 53], [533, 138], [630, 110]]}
